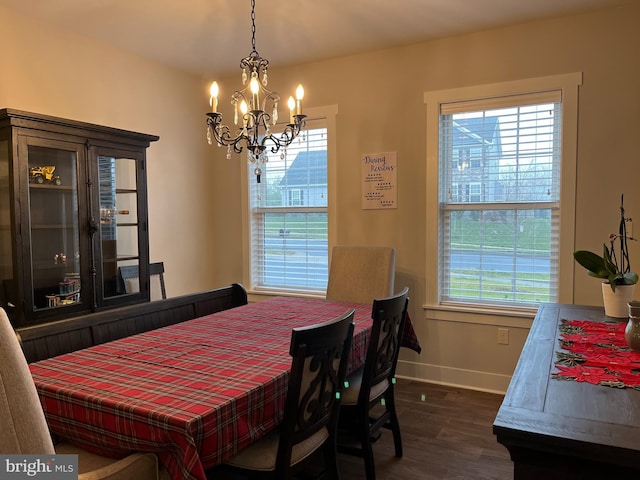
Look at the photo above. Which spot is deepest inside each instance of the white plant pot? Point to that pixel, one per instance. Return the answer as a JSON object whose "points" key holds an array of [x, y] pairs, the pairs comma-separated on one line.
{"points": [[616, 303]]}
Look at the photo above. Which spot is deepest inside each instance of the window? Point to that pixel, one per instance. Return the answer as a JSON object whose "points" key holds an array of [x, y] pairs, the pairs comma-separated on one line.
{"points": [[289, 215], [475, 192], [455, 195], [295, 197], [498, 164]]}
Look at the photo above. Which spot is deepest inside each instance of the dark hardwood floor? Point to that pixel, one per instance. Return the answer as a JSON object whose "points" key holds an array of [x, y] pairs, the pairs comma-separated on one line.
{"points": [[447, 436]]}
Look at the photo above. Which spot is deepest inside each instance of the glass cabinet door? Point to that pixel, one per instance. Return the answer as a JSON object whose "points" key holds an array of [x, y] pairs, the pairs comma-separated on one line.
{"points": [[54, 246], [119, 223]]}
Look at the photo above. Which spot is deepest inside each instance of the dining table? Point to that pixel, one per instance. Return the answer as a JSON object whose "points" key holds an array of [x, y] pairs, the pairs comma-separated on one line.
{"points": [[571, 409], [195, 393]]}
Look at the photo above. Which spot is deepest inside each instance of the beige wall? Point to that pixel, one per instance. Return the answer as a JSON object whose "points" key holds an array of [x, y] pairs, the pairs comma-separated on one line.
{"points": [[51, 72], [194, 191], [380, 101]]}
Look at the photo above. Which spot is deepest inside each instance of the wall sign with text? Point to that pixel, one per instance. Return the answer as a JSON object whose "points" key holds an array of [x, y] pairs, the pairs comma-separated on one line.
{"points": [[379, 180]]}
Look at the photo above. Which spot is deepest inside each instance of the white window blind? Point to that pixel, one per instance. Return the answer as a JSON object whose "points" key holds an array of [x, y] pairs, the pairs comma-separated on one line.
{"points": [[289, 216], [499, 192]]}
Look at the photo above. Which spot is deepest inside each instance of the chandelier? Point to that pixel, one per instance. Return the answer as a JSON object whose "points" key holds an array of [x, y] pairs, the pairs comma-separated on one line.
{"points": [[255, 112]]}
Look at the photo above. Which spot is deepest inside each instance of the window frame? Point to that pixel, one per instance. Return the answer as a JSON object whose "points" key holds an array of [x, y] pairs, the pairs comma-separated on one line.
{"points": [[568, 84], [327, 114]]}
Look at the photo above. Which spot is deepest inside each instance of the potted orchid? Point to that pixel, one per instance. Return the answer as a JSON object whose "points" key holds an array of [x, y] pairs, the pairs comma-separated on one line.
{"points": [[613, 266]]}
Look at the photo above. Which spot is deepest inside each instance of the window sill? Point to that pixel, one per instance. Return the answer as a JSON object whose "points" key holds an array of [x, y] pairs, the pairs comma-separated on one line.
{"points": [[256, 295], [483, 315]]}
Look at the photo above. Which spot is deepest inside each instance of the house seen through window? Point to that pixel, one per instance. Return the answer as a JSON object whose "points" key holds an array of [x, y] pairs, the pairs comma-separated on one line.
{"points": [[499, 202], [289, 217]]}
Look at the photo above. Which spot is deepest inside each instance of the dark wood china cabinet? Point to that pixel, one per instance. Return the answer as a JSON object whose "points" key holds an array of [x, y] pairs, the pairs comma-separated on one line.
{"points": [[73, 210]]}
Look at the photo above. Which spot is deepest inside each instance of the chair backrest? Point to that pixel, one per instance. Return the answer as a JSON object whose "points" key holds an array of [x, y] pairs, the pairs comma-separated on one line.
{"points": [[22, 422], [131, 280], [389, 315], [361, 273], [320, 354]]}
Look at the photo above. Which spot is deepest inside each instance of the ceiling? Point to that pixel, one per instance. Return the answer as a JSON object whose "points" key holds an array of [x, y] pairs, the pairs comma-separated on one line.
{"points": [[211, 36]]}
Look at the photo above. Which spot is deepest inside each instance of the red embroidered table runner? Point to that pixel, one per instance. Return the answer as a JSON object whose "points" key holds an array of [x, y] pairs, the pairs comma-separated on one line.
{"points": [[597, 353]]}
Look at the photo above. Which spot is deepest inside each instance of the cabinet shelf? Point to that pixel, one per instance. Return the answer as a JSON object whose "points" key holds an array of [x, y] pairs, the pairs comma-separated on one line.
{"points": [[64, 268], [120, 258], [51, 188], [60, 226]]}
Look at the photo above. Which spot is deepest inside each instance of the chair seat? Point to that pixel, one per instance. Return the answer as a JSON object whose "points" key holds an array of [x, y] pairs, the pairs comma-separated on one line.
{"points": [[351, 393], [261, 455]]}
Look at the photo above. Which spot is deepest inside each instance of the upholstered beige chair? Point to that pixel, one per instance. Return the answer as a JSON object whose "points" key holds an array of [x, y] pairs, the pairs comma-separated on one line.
{"points": [[24, 427], [361, 273]]}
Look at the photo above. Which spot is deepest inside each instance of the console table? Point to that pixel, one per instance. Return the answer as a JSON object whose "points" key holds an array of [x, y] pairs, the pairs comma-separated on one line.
{"points": [[561, 429]]}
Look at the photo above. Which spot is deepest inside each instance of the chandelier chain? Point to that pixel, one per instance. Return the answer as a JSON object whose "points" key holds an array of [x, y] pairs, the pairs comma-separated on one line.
{"points": [[253, 26]]}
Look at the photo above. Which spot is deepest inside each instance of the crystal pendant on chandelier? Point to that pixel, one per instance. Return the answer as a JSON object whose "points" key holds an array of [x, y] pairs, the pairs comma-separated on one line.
{"points": [[255, 111]]}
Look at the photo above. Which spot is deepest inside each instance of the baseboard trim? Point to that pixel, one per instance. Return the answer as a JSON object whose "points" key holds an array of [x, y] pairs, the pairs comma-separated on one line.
{"points": [[455, 377]]}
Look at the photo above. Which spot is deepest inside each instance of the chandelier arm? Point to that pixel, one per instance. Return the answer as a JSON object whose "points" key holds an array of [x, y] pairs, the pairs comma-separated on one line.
{"points": [[287, 136], [269, 96], [236, 147], [222, 133]]}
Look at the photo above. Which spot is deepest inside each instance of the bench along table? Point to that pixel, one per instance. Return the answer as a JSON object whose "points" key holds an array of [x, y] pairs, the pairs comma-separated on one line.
{"points": [[564, 429]]}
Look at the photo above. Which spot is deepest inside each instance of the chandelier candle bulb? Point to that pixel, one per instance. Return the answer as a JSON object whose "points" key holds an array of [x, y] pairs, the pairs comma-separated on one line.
{"points": [[214, 96], [243, 110], [299, 97], [292, 104], [255, 88]]}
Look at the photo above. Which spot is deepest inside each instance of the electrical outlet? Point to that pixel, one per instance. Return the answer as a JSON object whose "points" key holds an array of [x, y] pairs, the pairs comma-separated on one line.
{"points": [[503, 336]]}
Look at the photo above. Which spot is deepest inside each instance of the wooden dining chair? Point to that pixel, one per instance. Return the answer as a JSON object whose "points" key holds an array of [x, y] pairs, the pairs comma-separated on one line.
{"points": [[361, 273], [319, 360], [368, 402], [131, 280], [24, 426]]}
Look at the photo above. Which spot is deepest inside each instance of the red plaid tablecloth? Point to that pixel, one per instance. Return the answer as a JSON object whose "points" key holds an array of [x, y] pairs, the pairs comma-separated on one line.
{"points": [[195, 393]]}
